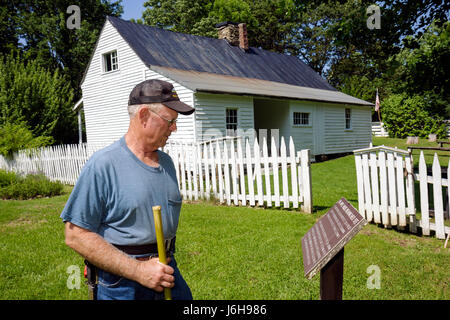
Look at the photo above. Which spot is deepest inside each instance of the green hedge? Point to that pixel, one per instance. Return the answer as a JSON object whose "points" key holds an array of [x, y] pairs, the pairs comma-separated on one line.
{"points": [[405, 115], [31, 186]]}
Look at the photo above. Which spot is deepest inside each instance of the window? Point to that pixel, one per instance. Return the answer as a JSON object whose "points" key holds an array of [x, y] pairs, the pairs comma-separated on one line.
{"points": [[110, 61], [231, 121], [348, 118], [301, 119]]}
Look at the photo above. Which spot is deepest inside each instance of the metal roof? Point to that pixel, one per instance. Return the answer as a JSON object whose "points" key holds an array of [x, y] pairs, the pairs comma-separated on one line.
{"points": [[164, 48], [215, 83]]}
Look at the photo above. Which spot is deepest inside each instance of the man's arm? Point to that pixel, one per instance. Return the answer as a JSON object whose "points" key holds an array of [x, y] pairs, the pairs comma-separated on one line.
{"points": [[102, 254]]}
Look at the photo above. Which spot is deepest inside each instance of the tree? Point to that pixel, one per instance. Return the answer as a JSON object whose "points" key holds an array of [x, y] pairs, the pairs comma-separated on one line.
{"points": [[41, 26], [8, 26], [39, 98], [268, 21], [422, 67], [405, 115]]}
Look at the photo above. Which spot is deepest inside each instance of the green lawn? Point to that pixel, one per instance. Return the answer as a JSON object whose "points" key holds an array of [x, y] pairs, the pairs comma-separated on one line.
{"points": [[233, 252], [444, 156]]}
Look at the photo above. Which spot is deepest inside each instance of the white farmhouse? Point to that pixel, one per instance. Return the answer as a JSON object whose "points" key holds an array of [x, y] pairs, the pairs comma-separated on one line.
{"points": [[235, 89]]}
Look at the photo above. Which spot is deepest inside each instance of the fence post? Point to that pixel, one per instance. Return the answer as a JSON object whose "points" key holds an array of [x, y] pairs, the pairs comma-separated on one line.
{"points": [[367, 193], [410, 196], [374, 180], [392, 190], [401, 191], [249, 173], [383, 188], [219, 171], [256, 153], [234, 175], [226, 172], [360, 185], [437, 195], [241, 172], [267, 173], [306, 181], [284, 174], [207, 165], [276, 182], [294, 180]]}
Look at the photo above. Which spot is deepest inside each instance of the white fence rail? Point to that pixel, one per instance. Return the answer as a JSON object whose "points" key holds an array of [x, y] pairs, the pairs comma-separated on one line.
{"points": [[386, 190], [240, 176], [221, 169], [378, 130]]}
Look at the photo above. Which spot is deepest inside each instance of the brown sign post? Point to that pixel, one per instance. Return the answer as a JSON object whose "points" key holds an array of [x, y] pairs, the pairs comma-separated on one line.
{"points": [[323, 247]]}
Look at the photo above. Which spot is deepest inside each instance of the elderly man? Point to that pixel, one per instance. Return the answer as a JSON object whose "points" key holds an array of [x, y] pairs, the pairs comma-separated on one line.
{"points": [[108, 217]]}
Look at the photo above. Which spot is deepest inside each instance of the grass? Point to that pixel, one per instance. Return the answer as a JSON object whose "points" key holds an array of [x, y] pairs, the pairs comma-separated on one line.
{"points": [[233, 252], [428, 154]]}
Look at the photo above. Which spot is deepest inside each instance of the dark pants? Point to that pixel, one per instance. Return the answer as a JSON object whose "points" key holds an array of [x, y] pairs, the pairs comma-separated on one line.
{"points": [[112, 287]]}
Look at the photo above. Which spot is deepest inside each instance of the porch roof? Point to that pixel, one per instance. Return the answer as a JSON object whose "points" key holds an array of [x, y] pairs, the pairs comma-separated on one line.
{"points": [[216, 83]]}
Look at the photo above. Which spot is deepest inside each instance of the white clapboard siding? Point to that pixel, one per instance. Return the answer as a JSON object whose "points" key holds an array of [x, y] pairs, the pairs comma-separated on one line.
{"points": [[386, 195], [236, 177]]}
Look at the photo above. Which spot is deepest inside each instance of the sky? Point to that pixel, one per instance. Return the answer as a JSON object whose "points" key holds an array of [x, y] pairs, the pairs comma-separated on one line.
{"points": [[132, 9]]}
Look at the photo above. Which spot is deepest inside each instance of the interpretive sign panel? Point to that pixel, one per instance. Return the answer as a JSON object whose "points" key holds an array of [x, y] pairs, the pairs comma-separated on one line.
{"points": [[329, 235]]}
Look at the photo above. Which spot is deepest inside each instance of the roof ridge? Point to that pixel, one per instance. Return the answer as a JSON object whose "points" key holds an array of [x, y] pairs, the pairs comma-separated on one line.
{"points": [[163, 47]]}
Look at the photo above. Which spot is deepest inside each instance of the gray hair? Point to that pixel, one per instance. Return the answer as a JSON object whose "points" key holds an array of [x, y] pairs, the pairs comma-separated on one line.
{"points": [[133, 109]]}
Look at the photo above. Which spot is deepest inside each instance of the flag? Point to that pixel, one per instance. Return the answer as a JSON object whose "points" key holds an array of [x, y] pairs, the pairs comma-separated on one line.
{"points": [[377, 102]]}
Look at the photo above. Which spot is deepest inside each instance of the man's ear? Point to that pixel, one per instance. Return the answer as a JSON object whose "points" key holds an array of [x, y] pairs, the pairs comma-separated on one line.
{"points": [[143, 115]]}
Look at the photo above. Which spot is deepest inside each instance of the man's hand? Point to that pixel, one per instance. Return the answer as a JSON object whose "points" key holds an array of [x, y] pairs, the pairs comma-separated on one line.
{"points": [[155, 275], [151, 273]]}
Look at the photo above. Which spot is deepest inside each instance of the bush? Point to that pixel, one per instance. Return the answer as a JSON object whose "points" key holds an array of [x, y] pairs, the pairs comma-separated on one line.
{"points": [[7, 178], [15, 137], [31, 186], [405, 115]]}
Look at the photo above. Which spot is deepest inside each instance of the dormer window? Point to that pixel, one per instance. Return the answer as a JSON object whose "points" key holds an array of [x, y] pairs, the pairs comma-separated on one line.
{"points": [[110, 61]]}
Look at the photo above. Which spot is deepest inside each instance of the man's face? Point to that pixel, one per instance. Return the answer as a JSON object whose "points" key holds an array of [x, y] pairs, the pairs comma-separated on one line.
{"points": [[159, 125]]}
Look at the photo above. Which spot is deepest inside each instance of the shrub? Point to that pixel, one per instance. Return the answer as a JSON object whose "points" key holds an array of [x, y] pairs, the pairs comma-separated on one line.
{"points": [[405, 115], [28, 187], [7, 178], [14, 137]]}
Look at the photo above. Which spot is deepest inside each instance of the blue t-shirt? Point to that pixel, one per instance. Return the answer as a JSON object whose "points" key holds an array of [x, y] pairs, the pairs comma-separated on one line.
{"points": [[115, 193]]}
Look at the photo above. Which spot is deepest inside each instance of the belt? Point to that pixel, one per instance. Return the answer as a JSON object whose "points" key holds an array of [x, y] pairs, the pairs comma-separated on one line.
{"points": [[151, 248]]}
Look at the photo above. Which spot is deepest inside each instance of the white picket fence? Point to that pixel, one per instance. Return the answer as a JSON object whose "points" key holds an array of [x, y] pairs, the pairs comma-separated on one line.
{"points": [[231, 174], [378, 129], [220, 169], [58, 163], [386, 192]]}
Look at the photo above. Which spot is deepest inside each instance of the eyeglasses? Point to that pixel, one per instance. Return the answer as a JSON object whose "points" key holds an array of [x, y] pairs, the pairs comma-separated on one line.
{"points": [[169, 122]]}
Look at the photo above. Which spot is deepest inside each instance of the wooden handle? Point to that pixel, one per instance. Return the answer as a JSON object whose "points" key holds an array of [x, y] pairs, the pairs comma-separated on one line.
{"points": [[160, 243]]}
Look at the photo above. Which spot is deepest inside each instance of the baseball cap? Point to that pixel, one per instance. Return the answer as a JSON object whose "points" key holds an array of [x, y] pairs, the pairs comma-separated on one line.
{"points": [[151, 91]]}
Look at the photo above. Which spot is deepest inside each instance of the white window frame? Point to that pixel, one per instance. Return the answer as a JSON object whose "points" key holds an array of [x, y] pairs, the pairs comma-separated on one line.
{"points": [[114, 64], [302, 118], [236, 123], [348, 118]]}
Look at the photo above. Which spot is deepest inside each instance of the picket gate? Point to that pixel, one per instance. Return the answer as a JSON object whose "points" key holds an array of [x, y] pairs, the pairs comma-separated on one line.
{"points": [[386, 190]]}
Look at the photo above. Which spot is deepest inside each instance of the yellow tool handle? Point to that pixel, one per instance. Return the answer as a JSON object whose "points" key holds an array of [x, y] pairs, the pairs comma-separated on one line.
{"points": [[160, 243]]}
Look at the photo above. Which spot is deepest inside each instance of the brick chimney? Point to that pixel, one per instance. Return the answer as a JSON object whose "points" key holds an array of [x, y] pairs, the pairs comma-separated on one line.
{"points": [[243, 40], [234, 33]]}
